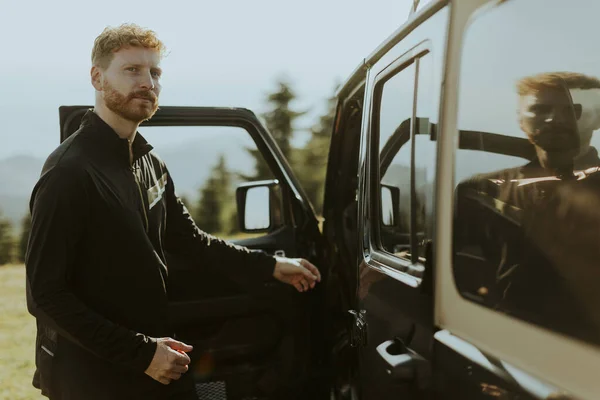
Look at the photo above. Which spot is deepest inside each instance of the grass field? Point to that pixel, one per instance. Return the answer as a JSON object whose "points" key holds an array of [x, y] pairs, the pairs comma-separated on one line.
{"points": [[17, 337]]}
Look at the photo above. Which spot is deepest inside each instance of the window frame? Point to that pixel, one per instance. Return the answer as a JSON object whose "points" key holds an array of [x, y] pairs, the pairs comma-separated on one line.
{"points": [[407, 271], [259, 146], [507, 340]]}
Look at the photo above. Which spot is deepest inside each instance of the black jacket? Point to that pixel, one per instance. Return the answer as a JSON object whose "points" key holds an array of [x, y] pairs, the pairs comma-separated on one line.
{"points": [[96, 266]]}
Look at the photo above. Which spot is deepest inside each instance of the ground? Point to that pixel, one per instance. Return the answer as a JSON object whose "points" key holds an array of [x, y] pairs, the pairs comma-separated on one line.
{"points": [[17, 337]]}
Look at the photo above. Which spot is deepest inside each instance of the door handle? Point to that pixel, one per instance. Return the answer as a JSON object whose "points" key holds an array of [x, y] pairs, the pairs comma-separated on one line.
{"points": [[401, 362]]}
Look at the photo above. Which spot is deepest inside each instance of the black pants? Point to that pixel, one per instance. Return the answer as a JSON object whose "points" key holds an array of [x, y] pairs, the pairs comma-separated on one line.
{"points": [[177, 393], [183, 389], [79, 375]]}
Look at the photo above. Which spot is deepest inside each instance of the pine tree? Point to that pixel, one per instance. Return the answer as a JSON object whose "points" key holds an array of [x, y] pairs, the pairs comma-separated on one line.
{"points": [[7, 242], [215, 198], [208, 210], [311, 166], [280, 120], [280, 123], [25, 229]]}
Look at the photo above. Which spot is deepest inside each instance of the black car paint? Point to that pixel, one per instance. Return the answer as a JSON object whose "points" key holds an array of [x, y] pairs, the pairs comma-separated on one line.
{"points": [[456, 369], [449, 371]]}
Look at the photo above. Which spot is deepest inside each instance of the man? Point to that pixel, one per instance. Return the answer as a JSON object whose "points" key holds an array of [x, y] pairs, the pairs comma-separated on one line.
{"points": [[96, 267], [559, 106], [518, 231]]}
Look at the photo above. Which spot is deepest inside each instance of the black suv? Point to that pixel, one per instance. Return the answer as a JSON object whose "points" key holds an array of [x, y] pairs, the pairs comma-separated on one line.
{"points": [[460, 239]]}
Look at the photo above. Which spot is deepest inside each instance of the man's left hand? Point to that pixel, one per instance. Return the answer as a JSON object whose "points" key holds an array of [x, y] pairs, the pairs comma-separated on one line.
{"points": [[297, 272]]}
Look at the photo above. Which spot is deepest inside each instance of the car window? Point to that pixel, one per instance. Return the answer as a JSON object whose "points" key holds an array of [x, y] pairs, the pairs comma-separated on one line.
{"points": [[527, 172], [395, 113], [407, 153], [207, 164]]}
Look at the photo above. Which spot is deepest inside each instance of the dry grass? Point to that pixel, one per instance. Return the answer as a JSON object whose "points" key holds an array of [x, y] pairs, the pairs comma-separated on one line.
{"points": [[17, 337]]}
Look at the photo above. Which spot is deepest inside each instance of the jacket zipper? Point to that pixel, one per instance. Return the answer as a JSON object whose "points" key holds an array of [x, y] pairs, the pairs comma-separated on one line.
{"points": [[138, 186]]}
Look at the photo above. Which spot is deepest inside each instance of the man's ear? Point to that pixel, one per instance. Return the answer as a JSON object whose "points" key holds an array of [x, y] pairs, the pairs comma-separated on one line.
{"points": [[96, 76]]}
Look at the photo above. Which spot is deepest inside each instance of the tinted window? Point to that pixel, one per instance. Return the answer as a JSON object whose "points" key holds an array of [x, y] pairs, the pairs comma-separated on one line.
{"points": [[406, 161], [527, 197]]}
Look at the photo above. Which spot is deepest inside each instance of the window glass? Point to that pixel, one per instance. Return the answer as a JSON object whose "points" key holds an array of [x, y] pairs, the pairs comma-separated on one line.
{"points": [[527, 172], [407, 165], [395, 114], [425, 156], [207, 164]]}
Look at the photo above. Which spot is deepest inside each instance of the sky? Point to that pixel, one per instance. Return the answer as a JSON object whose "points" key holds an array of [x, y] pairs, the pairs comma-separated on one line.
{"points": [[221, 53]]}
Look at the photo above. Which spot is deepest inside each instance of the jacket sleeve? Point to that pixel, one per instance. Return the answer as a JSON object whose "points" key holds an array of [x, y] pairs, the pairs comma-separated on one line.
{"points": [[60, 207], [245, 267]]}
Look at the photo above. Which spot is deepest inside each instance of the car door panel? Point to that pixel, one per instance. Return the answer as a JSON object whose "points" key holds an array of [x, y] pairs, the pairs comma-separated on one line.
{"points": [[379, 296], [281, 242], [251, 338], [465, 371], [395, 295]]}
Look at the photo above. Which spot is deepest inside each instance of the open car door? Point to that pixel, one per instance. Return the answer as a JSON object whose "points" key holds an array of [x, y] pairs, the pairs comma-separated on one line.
{"points": [[246, 345]]}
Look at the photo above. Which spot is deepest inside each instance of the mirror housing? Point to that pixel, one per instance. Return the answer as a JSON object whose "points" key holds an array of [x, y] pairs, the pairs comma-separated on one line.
{"points": [[258, 206]]}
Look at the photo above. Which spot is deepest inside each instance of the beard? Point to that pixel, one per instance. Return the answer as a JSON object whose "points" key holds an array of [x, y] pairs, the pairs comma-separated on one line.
{"points": [[556, 138], [129, 106]]}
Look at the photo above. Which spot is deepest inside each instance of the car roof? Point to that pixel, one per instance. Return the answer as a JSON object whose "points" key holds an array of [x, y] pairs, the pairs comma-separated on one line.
{"points": [[413, 20]]}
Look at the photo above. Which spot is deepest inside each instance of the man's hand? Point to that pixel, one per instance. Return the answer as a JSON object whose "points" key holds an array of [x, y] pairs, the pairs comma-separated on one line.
{"points": [[170, 360], [297, 272]]}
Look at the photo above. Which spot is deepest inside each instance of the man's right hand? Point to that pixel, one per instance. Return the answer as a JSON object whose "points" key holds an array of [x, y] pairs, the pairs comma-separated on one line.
{"points": [[170, 360]]}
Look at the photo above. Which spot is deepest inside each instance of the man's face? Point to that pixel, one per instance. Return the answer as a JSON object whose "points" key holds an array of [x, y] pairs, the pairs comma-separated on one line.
{"points": [[130, 85], [549, 118]]}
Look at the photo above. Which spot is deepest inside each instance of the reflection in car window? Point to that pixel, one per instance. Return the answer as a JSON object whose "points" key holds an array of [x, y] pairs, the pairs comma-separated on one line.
{"points": [[527, 197], [395, 114], [407, 161]]}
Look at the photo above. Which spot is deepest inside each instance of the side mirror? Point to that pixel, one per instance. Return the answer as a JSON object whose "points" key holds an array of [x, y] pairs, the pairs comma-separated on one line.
{"points": [[258, 206], [390, 205]]}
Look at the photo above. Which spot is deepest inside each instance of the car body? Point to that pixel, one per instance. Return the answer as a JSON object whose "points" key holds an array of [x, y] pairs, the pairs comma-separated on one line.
{"points": [[394, 316]]}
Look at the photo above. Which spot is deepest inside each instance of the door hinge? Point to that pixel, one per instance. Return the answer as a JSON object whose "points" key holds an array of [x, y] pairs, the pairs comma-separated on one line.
{"points": [[358, 328]]}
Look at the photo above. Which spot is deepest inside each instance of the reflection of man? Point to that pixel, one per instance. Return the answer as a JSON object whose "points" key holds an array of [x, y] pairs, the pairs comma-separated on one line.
{"points": [[512, 225], [104, 214], [559, 113]]}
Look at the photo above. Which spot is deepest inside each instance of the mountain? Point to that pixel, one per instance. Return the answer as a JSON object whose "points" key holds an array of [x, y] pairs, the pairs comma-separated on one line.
{"points": [[189, 163], [18, 175]]}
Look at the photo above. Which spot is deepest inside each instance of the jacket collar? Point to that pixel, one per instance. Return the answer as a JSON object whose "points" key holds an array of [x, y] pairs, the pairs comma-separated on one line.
{"points": [[108, 141], [588, 160]]}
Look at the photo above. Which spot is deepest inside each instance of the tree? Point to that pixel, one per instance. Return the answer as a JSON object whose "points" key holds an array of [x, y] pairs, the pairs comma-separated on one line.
{"points": [[215, 198], [311, 165], [280, 123], [25, 229], [7, 242]]}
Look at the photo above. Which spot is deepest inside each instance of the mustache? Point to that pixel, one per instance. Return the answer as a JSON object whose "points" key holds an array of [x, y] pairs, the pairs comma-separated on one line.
{"points": [[147, 95], [557, 129]]}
